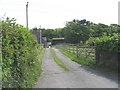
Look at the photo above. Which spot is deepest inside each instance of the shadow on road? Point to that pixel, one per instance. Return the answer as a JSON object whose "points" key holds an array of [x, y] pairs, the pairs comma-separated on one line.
{"points": [[111, 75]]}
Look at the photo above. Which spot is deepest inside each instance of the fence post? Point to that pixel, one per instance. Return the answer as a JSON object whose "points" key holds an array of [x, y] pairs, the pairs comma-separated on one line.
{"points": [[86, 51], [73, 49], [68, 48], [77, 50], [97, 55]]}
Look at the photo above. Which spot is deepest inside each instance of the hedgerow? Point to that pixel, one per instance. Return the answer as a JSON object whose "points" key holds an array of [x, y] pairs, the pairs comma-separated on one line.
{"points": [[105, 43], [21, 66]]}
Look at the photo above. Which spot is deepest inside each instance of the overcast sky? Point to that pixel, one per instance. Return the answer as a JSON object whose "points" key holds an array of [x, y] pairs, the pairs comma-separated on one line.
{"points": [[54, 13]]}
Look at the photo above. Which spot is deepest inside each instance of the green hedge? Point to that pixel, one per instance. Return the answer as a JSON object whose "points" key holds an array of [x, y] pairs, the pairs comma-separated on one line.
{"points": [[20, 56], [106, 43]]}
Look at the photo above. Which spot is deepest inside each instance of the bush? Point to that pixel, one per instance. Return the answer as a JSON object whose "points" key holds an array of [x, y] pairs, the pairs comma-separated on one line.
{"points": [[107, 50], [105, 43], [20, 56]]}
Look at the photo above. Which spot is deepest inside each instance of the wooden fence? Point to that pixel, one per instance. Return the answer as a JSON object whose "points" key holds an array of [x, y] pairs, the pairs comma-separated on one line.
{"points": [[85, 51], [99, 57]]}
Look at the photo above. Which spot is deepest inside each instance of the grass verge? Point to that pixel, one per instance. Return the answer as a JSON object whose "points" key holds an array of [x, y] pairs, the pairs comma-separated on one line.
{"points": [[38, 67], [81, 60], [58, 61], [87, 62], [40, 59], [42, 54]]}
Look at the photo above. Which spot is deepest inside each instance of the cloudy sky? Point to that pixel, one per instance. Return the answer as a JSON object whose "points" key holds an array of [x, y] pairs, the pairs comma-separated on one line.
{"points": [[54, 13]]}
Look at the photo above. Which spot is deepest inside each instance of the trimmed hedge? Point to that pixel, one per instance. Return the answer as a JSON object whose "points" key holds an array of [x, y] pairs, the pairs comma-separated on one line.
{"points": [[105, 43], [107, 50], [20, 56]]}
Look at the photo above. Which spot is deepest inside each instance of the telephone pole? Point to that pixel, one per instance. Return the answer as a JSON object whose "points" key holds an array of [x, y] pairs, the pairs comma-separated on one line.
{"points": [[27, 15], [40, 36], [119, 13]]}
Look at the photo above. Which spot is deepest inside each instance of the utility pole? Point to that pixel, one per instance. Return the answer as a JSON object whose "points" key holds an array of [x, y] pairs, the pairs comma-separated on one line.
{"points": [[27, 15], [119, 13], [40, 36]]}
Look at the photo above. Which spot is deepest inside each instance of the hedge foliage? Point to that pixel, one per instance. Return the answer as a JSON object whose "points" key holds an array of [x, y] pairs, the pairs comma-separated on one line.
{"points": [[108, 41], [21, 66], [105, 43]]}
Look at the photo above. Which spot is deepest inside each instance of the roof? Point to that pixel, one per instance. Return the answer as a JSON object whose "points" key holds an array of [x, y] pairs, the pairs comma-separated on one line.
{"points": [[57, 38]]}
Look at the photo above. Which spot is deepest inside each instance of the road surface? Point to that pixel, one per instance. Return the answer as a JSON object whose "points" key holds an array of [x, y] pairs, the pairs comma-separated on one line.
{"points": [[79, 76]]}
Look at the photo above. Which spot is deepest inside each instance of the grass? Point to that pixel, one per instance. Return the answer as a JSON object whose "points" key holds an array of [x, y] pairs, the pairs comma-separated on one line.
{"points": [[39, 63], [87, 62], [37, 69], [58, 61], [42, 54], [81, 60]]}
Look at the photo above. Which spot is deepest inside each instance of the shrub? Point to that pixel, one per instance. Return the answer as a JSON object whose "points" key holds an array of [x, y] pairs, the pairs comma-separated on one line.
{"points": [[105, 43], [20, 56]]}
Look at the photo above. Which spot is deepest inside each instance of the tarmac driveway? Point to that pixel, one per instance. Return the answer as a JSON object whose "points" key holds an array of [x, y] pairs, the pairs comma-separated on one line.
{"points": [[79, 76]]}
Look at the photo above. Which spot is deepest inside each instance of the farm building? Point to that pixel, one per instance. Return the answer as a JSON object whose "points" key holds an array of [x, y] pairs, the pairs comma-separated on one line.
{"points": [[57, 41]]}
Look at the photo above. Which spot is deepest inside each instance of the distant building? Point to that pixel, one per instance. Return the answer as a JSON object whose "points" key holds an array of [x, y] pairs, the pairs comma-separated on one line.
{"points": [[58, 41]]}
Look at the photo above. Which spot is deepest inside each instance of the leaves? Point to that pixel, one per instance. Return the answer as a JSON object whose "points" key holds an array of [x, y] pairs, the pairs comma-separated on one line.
{"points": [[105, 43], [19, 56]]}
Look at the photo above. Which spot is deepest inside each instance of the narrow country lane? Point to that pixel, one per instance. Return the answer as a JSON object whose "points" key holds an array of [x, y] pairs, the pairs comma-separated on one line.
{"points": [[78, 76]]}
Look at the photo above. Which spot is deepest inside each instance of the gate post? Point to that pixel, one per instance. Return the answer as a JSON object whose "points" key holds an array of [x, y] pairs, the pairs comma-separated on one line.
{"points": [[97, 55]]}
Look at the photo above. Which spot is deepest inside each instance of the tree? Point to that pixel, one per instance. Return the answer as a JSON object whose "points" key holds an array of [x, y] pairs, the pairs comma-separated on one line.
{"points": [[76, 31]]}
